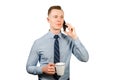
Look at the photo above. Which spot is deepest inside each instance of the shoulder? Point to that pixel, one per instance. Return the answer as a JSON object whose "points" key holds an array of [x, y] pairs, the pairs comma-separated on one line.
{"points": [[41, 39], [66, 37]]}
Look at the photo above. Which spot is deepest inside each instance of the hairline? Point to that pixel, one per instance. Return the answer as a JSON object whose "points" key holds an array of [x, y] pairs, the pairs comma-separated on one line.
{"points": [[54, 8]]}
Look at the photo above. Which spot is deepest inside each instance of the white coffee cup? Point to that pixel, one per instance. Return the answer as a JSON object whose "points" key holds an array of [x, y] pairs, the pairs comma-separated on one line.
{"points": [[60, 67]]}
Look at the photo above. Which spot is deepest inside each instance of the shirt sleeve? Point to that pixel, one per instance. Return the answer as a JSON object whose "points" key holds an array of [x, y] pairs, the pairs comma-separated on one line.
{"points": [[32, 61], [80, 51]]}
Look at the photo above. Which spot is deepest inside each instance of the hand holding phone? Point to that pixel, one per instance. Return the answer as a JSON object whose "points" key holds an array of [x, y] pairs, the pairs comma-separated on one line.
{"points": [[70, 31], [64, 26]]}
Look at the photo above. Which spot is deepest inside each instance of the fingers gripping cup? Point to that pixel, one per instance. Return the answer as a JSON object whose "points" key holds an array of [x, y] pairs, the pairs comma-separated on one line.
{"points": [[60, 67]]}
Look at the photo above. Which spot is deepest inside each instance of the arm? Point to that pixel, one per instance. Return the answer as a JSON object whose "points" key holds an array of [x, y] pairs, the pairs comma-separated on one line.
{"points": [[77, 47], [33, 58], [80, 51]]}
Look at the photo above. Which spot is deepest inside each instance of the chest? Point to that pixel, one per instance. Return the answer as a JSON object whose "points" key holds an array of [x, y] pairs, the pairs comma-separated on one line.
{"points": [[46, 50]]}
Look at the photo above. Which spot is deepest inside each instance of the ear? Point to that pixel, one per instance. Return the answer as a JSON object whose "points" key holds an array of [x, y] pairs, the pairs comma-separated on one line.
{"points": [[47, 19]]}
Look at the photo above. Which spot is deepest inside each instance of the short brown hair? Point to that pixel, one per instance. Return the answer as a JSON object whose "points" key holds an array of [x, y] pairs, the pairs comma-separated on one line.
{"points": [[54, 7]]}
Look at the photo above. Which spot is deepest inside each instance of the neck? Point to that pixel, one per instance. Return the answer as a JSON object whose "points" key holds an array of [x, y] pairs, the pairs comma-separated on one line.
{"points": [[56, 32]]}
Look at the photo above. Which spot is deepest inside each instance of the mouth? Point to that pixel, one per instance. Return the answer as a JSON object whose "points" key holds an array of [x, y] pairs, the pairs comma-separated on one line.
{"points": [[58, 24]]}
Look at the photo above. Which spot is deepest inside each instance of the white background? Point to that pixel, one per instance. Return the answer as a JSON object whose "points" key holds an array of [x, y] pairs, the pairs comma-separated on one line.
{"points": [[97, 24]]}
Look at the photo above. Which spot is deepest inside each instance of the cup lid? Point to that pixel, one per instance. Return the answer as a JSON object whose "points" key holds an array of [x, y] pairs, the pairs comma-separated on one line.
{"points": [[60, 63]]}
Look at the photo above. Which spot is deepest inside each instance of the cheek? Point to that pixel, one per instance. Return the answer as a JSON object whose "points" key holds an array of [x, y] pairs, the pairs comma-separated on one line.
{"points": [[52, 24]]}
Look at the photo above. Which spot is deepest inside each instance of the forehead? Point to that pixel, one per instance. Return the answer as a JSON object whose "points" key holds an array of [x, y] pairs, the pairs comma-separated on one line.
{"points": [[56, 12]]}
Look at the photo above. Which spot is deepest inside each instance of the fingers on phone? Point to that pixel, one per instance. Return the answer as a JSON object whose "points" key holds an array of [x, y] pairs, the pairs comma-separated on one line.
{"points": [[70, 28]]}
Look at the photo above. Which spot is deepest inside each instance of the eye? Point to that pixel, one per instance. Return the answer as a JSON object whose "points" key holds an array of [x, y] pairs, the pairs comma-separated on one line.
{"points": [[55, 16], [62, 17]]}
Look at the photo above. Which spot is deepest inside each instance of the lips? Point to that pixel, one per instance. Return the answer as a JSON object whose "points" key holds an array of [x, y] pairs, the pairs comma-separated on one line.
{"points": [[58, 24]]}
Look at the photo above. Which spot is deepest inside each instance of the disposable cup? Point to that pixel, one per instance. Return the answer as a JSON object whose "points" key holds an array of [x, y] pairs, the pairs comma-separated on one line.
{"points": [[60, 68]]}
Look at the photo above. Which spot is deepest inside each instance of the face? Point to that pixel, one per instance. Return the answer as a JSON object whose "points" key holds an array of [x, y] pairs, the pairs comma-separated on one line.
{"points": [[56, 18]]}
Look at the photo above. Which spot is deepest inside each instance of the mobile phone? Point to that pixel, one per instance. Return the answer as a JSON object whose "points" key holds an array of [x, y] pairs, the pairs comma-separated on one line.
{"points": [[64, 26]]}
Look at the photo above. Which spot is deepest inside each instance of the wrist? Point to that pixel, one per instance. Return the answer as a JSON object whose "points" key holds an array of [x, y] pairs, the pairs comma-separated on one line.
{"points": [[75, 37], [43, 69]]}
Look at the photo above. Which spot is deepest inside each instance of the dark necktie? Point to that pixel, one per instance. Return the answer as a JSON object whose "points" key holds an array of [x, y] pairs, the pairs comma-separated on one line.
{"points": [[56, 54], [56, 50]]}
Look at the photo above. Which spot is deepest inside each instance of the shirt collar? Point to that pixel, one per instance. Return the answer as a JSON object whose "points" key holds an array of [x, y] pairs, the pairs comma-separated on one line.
{"points": [[51, 35]]}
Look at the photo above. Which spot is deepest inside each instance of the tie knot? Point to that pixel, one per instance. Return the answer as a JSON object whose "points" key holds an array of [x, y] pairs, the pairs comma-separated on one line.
{"points": [[56, 36]]}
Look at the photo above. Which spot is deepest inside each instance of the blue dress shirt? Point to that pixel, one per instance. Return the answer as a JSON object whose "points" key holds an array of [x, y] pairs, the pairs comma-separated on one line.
{"points": [[43, 51]]}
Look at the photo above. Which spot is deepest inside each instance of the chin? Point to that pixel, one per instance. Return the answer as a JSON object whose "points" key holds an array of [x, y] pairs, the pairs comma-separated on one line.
{"points": [[59, 27]]}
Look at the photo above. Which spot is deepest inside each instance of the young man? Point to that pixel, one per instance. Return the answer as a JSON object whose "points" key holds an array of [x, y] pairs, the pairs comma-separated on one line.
{"points": [[44, 50]]}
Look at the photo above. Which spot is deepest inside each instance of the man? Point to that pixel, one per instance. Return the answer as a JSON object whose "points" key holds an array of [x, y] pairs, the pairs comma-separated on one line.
{"points": [[43, 48]]}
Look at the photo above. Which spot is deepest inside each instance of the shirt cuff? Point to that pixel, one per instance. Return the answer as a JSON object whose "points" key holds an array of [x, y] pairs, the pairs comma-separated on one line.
{"points": [[39, 70]]}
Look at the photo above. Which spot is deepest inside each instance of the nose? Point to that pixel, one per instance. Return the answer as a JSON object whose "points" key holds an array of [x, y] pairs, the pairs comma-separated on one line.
{"points": [[58, 19]]}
